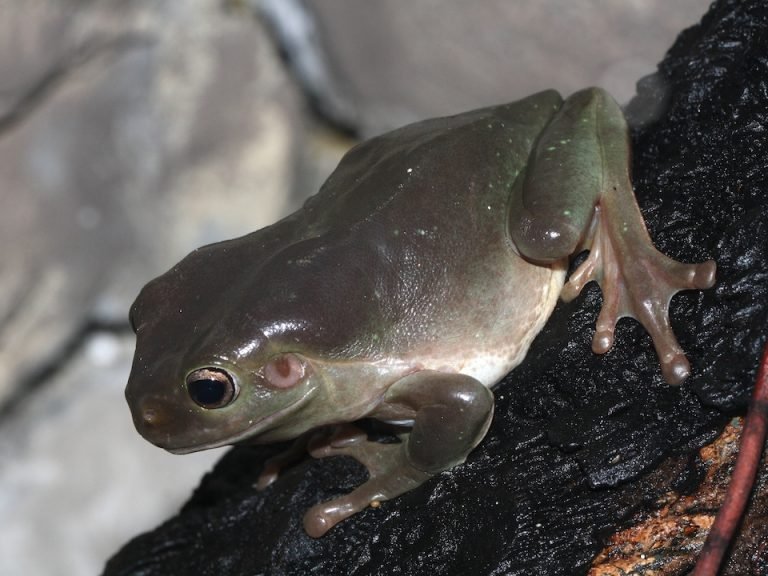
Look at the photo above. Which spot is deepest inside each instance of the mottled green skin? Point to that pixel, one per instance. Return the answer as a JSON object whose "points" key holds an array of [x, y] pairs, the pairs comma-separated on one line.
{"points": [[413, 281]]}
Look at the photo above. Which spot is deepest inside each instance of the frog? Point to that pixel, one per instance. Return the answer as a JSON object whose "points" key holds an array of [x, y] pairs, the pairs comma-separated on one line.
{"points": [[402, 293]]}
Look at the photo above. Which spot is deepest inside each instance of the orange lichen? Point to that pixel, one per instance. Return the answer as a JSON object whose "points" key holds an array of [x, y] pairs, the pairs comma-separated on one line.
{"points": [[667, 540]]}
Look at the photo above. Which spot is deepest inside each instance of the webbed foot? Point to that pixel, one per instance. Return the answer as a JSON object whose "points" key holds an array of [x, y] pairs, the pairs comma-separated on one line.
{"points": [[450, 413], [637, 281], [390, 474]]}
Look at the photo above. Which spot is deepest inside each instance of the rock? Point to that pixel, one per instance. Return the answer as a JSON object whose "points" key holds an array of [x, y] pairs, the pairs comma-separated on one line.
{"points": [[130, 133], [665, 537], [579, 443], [391, 63], [75, 478]]}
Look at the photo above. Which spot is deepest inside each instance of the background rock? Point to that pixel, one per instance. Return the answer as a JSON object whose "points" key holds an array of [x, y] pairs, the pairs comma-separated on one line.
{"points": [[395, 63], [120, 120], [74, 473]]}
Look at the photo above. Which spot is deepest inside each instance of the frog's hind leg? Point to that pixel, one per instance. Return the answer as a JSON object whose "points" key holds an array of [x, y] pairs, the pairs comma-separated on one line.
{"points": [[577, 194], [637, 281]]}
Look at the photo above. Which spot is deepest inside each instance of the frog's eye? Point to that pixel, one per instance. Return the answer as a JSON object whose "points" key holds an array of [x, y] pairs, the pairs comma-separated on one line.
{"points": [[211, 387], [284, 371]]}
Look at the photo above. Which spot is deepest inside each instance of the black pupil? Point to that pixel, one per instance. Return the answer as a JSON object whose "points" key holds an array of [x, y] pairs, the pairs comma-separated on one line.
{"points": [[208, 391]]}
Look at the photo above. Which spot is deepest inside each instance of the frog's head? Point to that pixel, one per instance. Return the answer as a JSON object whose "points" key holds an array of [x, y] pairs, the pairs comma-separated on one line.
{"points": [[216, 402], [205, 373]]}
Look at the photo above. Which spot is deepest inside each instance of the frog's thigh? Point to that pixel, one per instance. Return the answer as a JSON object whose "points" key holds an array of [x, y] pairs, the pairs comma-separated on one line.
{"points": [[452, 415], [553, 201]]}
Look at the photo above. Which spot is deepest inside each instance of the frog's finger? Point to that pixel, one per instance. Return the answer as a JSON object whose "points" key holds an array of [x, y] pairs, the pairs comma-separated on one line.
{"points": [[324, 516], [451, 414], [285, 459]]}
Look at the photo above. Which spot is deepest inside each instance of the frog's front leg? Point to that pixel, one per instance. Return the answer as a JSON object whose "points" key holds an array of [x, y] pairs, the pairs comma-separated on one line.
{"points": [[450, 414], [273, 466], [576, 193]]}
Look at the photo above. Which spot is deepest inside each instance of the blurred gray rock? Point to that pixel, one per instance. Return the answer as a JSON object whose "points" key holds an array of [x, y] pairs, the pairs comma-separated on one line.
{"points": [[397, 62], [84, 482], [130, 133]]}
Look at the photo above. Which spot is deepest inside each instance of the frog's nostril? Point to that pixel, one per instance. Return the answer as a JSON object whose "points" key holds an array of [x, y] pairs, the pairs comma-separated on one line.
{"points": [[150, 416]]}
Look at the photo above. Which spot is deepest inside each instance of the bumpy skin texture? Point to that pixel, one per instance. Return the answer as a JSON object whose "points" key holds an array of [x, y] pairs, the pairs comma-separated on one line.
{"points": [[579, 442]]}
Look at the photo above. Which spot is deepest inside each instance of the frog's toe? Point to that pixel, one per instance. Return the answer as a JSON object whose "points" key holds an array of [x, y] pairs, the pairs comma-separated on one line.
{"points": [[617, 303], [336, 441], [602, 340], [647, 300], [703, 275], [649, 303], [676, 369], [318, 520], [268, 476], [324, 516], [676, 276]]}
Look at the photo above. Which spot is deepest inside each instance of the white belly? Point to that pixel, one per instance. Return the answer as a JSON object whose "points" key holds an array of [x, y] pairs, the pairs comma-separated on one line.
{"points": [[489, 351]]}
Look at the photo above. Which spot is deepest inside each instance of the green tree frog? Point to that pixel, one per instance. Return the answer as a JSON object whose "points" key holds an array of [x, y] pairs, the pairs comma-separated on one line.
{"points": [[407, 287]]}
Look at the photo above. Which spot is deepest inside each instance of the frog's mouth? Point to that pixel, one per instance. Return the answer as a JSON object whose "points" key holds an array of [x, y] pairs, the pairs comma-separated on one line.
{"points": [[256, 428]]}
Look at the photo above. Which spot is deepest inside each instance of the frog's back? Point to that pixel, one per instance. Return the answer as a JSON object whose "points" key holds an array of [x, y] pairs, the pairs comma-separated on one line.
{"points": [[403, 253], [406, 242], [448, 167]]}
